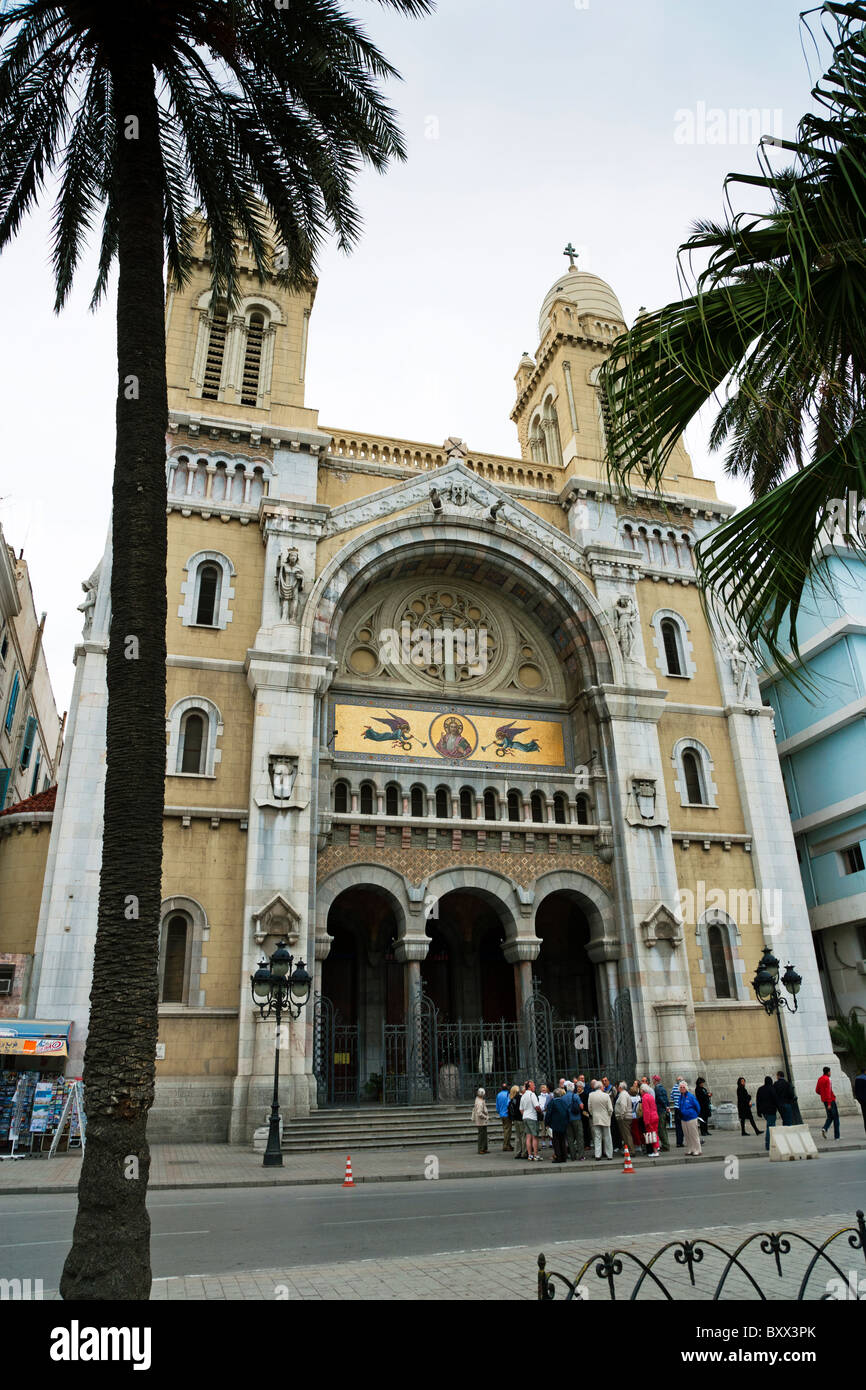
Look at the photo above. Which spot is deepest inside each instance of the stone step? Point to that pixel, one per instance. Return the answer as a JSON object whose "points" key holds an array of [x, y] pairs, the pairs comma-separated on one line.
{"points": [[347, 1146]]}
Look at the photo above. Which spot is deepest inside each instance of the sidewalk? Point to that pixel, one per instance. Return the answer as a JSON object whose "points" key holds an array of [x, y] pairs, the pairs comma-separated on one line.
{"points": [[230, 1165]]}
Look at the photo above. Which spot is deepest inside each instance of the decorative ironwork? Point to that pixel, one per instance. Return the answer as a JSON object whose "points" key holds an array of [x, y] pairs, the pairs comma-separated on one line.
{"points": [[626, 1050], [409, 1074], [336, 1054], [470, 1055], [609, 1266], [538, 1027]]}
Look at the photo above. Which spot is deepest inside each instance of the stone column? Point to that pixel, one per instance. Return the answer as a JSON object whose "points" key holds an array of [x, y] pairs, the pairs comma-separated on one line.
{"points": [[645, 877], [520, 953]]}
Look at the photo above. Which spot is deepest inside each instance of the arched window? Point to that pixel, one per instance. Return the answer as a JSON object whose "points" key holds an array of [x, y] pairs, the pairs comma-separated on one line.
{"points": [[207, 597], [176, 942], [514, 806], [443, 803], [207, 590], [694, 780], [367, 801], [182, 933], [537, 445], [216, 349], [417, 801], [341, 798], [491, 805], [560, 813], [253, 359], [536, 803], [718, 961], [550, 425], [193, 743], [673, 653], [582, 808], [392, 800], [194, 726], [467, 803]]}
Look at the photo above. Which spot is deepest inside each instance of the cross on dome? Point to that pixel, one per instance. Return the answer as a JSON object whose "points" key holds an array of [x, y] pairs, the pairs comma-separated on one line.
{"points": [[572, 254]]}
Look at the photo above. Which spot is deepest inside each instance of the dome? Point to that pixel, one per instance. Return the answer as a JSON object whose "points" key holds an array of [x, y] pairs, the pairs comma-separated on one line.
{"points": [[591, 295]]}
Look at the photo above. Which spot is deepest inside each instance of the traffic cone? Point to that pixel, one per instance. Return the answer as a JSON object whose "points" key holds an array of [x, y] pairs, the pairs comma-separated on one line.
{"points": [[628, 1166], [348, 1180]]}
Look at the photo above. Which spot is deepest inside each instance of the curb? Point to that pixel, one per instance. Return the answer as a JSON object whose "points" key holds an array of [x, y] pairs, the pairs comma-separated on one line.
{"points": [[591, 1165]]}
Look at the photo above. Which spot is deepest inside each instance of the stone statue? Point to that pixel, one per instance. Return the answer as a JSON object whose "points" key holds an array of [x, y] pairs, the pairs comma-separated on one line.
{"points": [[290, 586], [625, 625], [283, 774], [741, 672], [90, 588]]}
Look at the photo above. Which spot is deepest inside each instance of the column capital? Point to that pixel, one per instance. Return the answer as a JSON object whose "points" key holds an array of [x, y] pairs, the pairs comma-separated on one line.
{"points": [[523, 948], [411, 948]]}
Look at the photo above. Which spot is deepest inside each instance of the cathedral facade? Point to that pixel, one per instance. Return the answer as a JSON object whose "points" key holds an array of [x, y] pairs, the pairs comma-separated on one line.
{"points": [[453, 725]]}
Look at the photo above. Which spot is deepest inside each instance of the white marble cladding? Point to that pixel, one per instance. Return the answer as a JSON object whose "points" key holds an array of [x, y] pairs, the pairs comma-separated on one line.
{"points": [[646, 879], [63, 961], [774, 862]]}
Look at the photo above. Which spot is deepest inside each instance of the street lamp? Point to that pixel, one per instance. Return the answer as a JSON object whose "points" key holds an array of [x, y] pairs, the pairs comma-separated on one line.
{"points": [[277, 989], [766, 987]]}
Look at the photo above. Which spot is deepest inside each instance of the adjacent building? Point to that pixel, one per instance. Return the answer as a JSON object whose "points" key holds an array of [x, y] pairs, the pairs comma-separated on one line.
{"points": [[821, 740], [31, 735]]}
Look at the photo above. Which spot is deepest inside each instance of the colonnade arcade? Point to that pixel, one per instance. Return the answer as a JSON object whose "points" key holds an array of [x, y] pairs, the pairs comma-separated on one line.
{"points": [[474, 941]]}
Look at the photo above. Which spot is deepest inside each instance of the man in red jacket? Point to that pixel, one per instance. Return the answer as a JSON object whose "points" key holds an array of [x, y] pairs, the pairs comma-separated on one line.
{"points": [[825, 1090]]}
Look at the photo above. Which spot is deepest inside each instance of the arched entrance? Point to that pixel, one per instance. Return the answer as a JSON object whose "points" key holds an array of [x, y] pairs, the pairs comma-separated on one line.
{"points": [[363, 990], [465, 973], [564, 970]]}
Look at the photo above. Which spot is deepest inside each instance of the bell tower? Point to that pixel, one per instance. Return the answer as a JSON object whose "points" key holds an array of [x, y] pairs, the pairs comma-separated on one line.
{"points": [[244, 361], [557, 412]]}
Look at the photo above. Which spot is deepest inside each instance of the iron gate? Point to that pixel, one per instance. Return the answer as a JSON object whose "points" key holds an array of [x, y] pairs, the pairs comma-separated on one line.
{"points": [[409, 1056], [336, 1059], [470, 1055], [426, 1060]]}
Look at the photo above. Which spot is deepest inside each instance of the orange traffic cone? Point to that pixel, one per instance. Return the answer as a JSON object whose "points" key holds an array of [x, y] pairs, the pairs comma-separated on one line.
{"points": [[348, 1180], [628, 1166]]}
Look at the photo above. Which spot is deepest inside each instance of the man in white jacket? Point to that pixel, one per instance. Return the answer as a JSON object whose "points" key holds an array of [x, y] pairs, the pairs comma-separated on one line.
{"points": [[600, 1112]]}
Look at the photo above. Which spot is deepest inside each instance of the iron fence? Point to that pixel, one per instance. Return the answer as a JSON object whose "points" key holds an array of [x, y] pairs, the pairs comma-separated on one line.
{"points": [[616, 1269]]}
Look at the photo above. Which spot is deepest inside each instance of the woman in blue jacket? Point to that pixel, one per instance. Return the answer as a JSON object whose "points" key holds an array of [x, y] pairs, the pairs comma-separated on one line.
{"points": [[690, 1113]]}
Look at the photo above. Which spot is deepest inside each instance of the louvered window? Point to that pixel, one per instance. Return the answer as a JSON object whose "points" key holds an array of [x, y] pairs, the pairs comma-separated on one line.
{"points": [[215, 353], [253, 360], [27, 745]]}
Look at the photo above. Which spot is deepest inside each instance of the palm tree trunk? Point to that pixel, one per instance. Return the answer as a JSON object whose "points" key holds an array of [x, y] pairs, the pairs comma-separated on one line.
{"points": [[110, 1255]]}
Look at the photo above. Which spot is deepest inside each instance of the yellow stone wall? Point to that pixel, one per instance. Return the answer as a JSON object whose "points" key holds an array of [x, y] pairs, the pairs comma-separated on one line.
{"points": [[22, 869], [742, 1032], [198, 1046], [229, 786], [207, 864], [703, 687], [187, 535]]}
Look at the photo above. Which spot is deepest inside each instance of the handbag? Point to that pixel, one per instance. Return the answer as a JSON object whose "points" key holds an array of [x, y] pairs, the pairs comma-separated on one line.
{"points": [[638, 1114]]}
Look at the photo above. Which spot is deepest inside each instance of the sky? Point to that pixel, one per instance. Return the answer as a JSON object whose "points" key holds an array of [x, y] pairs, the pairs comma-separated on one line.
{"points": [[528, 124]]}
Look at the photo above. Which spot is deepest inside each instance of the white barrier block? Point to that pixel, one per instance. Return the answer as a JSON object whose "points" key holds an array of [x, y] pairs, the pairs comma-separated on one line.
{"points": [[791, 1141]]}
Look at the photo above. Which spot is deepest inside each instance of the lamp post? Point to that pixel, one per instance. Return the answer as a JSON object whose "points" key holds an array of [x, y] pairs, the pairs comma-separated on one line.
{"points": [[765, 985], [277, 989]]}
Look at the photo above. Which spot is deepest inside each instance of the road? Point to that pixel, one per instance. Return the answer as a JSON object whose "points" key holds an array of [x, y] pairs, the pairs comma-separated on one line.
{"points": [[239, 1229]]}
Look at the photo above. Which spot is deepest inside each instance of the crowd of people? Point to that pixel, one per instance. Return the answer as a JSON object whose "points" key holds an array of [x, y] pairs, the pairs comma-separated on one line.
{"points": [[579, 1118]]}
